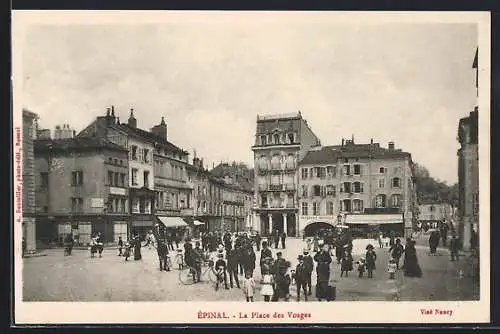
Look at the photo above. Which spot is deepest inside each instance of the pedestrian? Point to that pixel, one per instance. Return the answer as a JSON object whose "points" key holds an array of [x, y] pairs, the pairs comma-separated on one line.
{"points": [[258, 241], [380, 240], [283, 240], [249, 286], [100, 243], [346, 263], [162, 252], [120, 246], [128, 249], [221, 268], [371, 258], [232, 267], [68, 244], [188, 256], [282, 285], [265, 254], [454, 248], [249, 259], [137, 248], [170, 244], [240, 251], [391, 268], [361, 264], [179, 258], [301, 277], [323, 260], [309, 264], [433, 242], [396, 251], [316, 246], [267, 285], [276, 237], [410, 266]]}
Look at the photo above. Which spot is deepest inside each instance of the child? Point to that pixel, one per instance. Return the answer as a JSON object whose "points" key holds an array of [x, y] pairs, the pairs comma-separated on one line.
{"points": [[220, 268], [391, 268], [126, 254], [371, 257], [361, 267], [267, 282], [179, 258], [346, 264], [249, 286]]}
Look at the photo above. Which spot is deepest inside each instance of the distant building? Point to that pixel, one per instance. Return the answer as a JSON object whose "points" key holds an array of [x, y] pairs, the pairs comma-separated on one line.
{"points": [[29, 205], [281, 141], [64, 132], [432, 212], [468, 173], [366, 186], [81, 189]]}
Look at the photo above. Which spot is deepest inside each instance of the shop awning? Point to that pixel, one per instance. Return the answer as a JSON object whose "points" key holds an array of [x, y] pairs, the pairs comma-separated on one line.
{"points": [[172, 221], [197, 222], [374, 219], [142, 223]]}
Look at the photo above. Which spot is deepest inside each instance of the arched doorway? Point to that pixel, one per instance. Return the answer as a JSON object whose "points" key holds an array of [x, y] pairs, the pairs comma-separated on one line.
{"points": [[313, 228]]}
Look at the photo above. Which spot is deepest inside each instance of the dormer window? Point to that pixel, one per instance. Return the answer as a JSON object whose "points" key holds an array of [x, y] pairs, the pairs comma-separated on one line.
{"points": [[276, 139], [134, 152], [263, 140]]}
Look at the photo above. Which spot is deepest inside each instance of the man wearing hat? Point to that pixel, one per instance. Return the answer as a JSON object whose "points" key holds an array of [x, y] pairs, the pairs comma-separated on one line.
{"points": [[309, 265], [265, 253], [301, 275]]}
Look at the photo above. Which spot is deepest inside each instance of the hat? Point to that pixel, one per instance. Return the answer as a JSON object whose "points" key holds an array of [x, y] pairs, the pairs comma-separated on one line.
{"points": [[220, 254], [301, 257], [279, 254], [306, 251], [370, 246]]}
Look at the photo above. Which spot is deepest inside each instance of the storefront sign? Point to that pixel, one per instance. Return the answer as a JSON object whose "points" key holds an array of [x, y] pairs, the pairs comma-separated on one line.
{"points": [[318, 218]]}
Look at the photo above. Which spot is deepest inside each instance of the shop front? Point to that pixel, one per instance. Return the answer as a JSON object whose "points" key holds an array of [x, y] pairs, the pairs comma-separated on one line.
{"points": [[370, 225], [313, 225]]}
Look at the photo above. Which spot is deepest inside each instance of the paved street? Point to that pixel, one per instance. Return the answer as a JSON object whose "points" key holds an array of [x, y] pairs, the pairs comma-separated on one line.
{"points": [[55, 277]]}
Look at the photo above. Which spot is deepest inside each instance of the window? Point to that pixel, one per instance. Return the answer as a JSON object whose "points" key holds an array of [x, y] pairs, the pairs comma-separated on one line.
{"points": [[133, 152], [44, 179], [330, 171], [396, 182], [347, 187], [263, 201], [305, 208], [146, 155], [146, 179], [316, 190], [358, 187], [142, 205], [396, 201], [117, 176], [322, 172], [291, 138], [276, 139], [304, 173], [110, 178], [357, 169], [381, 183], [357, 205], [347, 170], [77, 178], [76, 204], [134, 176], [116, 161], [123, 205], [121, 162], [380, 201], [329, 208], [315, 209], [382, 170], [122, 180], [345, 205], [330, 190], [304, 191], [432, 208], [263, 140], [110, 160]]}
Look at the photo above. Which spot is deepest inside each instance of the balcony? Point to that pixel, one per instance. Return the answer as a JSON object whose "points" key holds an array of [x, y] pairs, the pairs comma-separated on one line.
{"points": [[290, 205], [276, 167], [185, 212], [290, 186], [276, 187]]}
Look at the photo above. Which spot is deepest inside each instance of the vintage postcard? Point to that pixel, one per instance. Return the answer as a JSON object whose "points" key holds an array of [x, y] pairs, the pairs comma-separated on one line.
{"points": [[251, 167]]}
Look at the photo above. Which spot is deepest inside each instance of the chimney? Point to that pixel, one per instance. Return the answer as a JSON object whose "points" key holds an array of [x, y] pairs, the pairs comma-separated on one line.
{"points": [[113, 118], [343, 141], [391, 145], [132, 122], [160, 129], [371, 141]]}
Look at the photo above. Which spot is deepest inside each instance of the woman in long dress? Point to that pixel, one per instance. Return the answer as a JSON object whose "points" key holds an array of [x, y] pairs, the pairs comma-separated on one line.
{"points": [[137, 248], [411, 266]]}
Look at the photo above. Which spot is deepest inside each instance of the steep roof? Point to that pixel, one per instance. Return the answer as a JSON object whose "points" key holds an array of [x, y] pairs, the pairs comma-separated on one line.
{"points": [[150, 137], [76, 143]]}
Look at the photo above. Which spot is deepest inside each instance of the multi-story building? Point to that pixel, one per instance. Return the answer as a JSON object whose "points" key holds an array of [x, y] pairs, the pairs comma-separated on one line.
{"points": [[28, 201], [431, 212], [81, 189], [280, 142], [358, 184], [468, 173]]}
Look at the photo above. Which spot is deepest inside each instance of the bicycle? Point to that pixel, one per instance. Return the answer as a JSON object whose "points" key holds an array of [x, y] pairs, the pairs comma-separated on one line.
{"points": [[186, 274]]}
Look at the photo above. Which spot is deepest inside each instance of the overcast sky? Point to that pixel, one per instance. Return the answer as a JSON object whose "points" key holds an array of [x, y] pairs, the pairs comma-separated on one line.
{"points": [[409, 83]]}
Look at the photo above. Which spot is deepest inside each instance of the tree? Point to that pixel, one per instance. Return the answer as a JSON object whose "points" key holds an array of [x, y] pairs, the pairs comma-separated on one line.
{"points": [[434, 189]]}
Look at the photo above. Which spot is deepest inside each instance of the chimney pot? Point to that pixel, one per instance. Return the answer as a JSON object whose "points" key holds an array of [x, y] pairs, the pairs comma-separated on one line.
{"points": [[391, 145], [108, 111], [371, 141]]}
